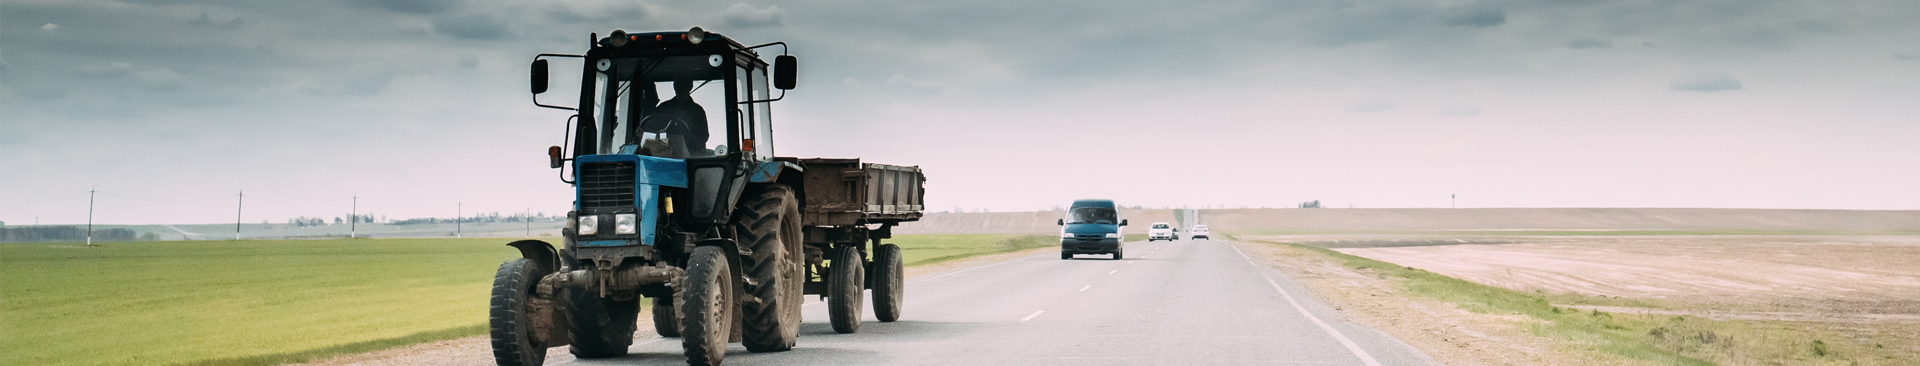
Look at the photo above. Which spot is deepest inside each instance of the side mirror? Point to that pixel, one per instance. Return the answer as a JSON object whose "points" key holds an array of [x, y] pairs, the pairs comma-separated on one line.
{"points": [[784, 72], [1123, 222], [1061, 222], [540, 79], [553, 156]]}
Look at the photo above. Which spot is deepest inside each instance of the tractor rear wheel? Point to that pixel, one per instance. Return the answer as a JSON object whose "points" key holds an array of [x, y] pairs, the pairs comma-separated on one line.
{"points": [[889, 284], [601, 327], [508, 322], [768, 223], [844, 290], [705, 304], [665, 321]]}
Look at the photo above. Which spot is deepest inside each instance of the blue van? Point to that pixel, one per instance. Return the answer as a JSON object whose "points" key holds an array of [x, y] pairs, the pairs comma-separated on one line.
{"points": [[1092, 226]]}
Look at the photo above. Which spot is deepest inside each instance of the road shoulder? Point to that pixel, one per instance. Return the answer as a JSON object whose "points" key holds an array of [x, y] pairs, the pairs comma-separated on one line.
{"points": [[477, 350], [1448, 334]]}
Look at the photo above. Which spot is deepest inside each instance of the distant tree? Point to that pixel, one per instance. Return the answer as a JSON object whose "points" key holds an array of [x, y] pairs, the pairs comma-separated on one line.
{"points": [[1310, 204]]}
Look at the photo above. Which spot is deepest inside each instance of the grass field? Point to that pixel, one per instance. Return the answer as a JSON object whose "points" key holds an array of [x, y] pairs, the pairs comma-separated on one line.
{"points": [[276, 301]]}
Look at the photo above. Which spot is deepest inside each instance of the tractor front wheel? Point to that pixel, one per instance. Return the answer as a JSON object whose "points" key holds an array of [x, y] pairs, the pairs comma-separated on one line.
{"points": [[705, 304], [666, 322], [508, 320]]}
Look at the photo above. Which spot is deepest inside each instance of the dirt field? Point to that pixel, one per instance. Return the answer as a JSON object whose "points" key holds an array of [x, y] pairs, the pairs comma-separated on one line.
{"points": [[1424, 219], [1867, 276], [1861, 292]]}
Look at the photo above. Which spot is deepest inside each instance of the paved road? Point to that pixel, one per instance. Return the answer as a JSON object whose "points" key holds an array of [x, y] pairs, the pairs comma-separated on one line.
{"points": [[1183, 302]]}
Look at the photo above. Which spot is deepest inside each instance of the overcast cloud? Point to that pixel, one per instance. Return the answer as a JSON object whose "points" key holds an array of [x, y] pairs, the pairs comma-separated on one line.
{"points": [[171, 106]]}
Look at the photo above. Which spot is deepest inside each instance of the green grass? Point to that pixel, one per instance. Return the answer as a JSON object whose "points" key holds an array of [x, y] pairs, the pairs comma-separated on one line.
{"points": [[147, 303], [268, 302], [921, 249], [1656, 339]]}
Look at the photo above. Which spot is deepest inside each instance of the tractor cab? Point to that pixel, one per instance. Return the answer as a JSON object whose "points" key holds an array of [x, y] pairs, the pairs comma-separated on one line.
{"points": [[668, 120]]}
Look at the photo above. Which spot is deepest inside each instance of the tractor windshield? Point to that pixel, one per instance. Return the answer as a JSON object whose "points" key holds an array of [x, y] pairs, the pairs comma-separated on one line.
{"points": [[662, 106]]}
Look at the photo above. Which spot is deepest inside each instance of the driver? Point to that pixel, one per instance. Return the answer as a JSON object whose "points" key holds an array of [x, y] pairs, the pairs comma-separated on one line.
{"points": [[681, 108]]}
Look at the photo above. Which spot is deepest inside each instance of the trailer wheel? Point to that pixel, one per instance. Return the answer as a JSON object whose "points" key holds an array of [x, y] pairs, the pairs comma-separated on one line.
{"points": [[889, 287], [844, 300], [705, 305], [600, 327], [768, 223], [666, 322], [507, 319]]}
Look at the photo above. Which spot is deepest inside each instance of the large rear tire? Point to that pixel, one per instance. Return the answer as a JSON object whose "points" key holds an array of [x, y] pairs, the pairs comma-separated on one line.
{"points": [[705, 302], [844, 300], [600, 327], [508, 322], [768, 223], [889, 288], [666, 322]]}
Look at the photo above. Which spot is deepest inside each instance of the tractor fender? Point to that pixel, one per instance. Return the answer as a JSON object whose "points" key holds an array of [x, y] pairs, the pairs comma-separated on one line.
{"points": [[545, 259], [770, 172]]}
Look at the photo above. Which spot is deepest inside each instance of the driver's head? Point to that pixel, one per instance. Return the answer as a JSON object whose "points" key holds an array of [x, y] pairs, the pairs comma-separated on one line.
{"points": [[682, 87]]}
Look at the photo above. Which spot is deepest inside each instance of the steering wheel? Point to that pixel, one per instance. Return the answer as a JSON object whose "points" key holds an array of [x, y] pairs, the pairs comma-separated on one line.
{"points": [[673, 129]]}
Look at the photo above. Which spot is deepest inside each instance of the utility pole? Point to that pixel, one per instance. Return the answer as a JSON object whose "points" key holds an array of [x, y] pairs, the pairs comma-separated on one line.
{"points": [[353, 229], [529, 219], [238, 207], [457, 219], [1454, 198], [36, 219]]}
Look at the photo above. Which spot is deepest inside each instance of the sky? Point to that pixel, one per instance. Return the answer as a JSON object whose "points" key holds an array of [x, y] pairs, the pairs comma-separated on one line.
{"points": [[168, 109]]}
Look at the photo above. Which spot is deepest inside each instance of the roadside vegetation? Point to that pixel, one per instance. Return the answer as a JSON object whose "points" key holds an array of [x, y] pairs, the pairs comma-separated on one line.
{"points": [[922, 249], [1650, 338], [268, 302]]}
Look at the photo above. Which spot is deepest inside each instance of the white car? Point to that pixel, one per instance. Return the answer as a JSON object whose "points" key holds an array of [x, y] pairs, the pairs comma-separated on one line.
{"points": [[1199, 232], [1162, 231]]}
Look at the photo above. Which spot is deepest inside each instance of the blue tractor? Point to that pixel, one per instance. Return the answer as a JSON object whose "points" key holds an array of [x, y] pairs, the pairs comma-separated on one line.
{"points": [[680, 200]]}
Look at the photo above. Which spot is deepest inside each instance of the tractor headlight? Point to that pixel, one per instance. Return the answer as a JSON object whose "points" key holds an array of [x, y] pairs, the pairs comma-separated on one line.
{"points": [[1113, 235], [623, 223], [589, 224]]}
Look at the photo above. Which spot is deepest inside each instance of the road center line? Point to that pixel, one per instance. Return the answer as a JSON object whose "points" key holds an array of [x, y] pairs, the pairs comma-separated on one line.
{"points": [[1037, 313], [1344, 341], [1111, 272], [1084, 289], [1129, 262]]}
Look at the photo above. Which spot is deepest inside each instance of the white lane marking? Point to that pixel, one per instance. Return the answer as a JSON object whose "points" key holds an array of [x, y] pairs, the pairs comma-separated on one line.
{"points": [[1037, 313], [1129, 262], [1236, 249], [964, 270], [1111, 272], [1344, 341], [1084, 289]]}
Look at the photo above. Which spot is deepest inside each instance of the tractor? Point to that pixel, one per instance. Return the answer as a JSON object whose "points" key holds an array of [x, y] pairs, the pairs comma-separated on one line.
{"points": [[680, 202]]}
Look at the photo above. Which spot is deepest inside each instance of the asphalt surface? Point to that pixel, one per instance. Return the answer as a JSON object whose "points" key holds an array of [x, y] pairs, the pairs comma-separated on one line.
{"points": [[1182, 302]]}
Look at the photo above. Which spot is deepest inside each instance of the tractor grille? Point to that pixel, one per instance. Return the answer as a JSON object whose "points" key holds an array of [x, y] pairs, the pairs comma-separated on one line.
{"points": [[606, 185]]}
